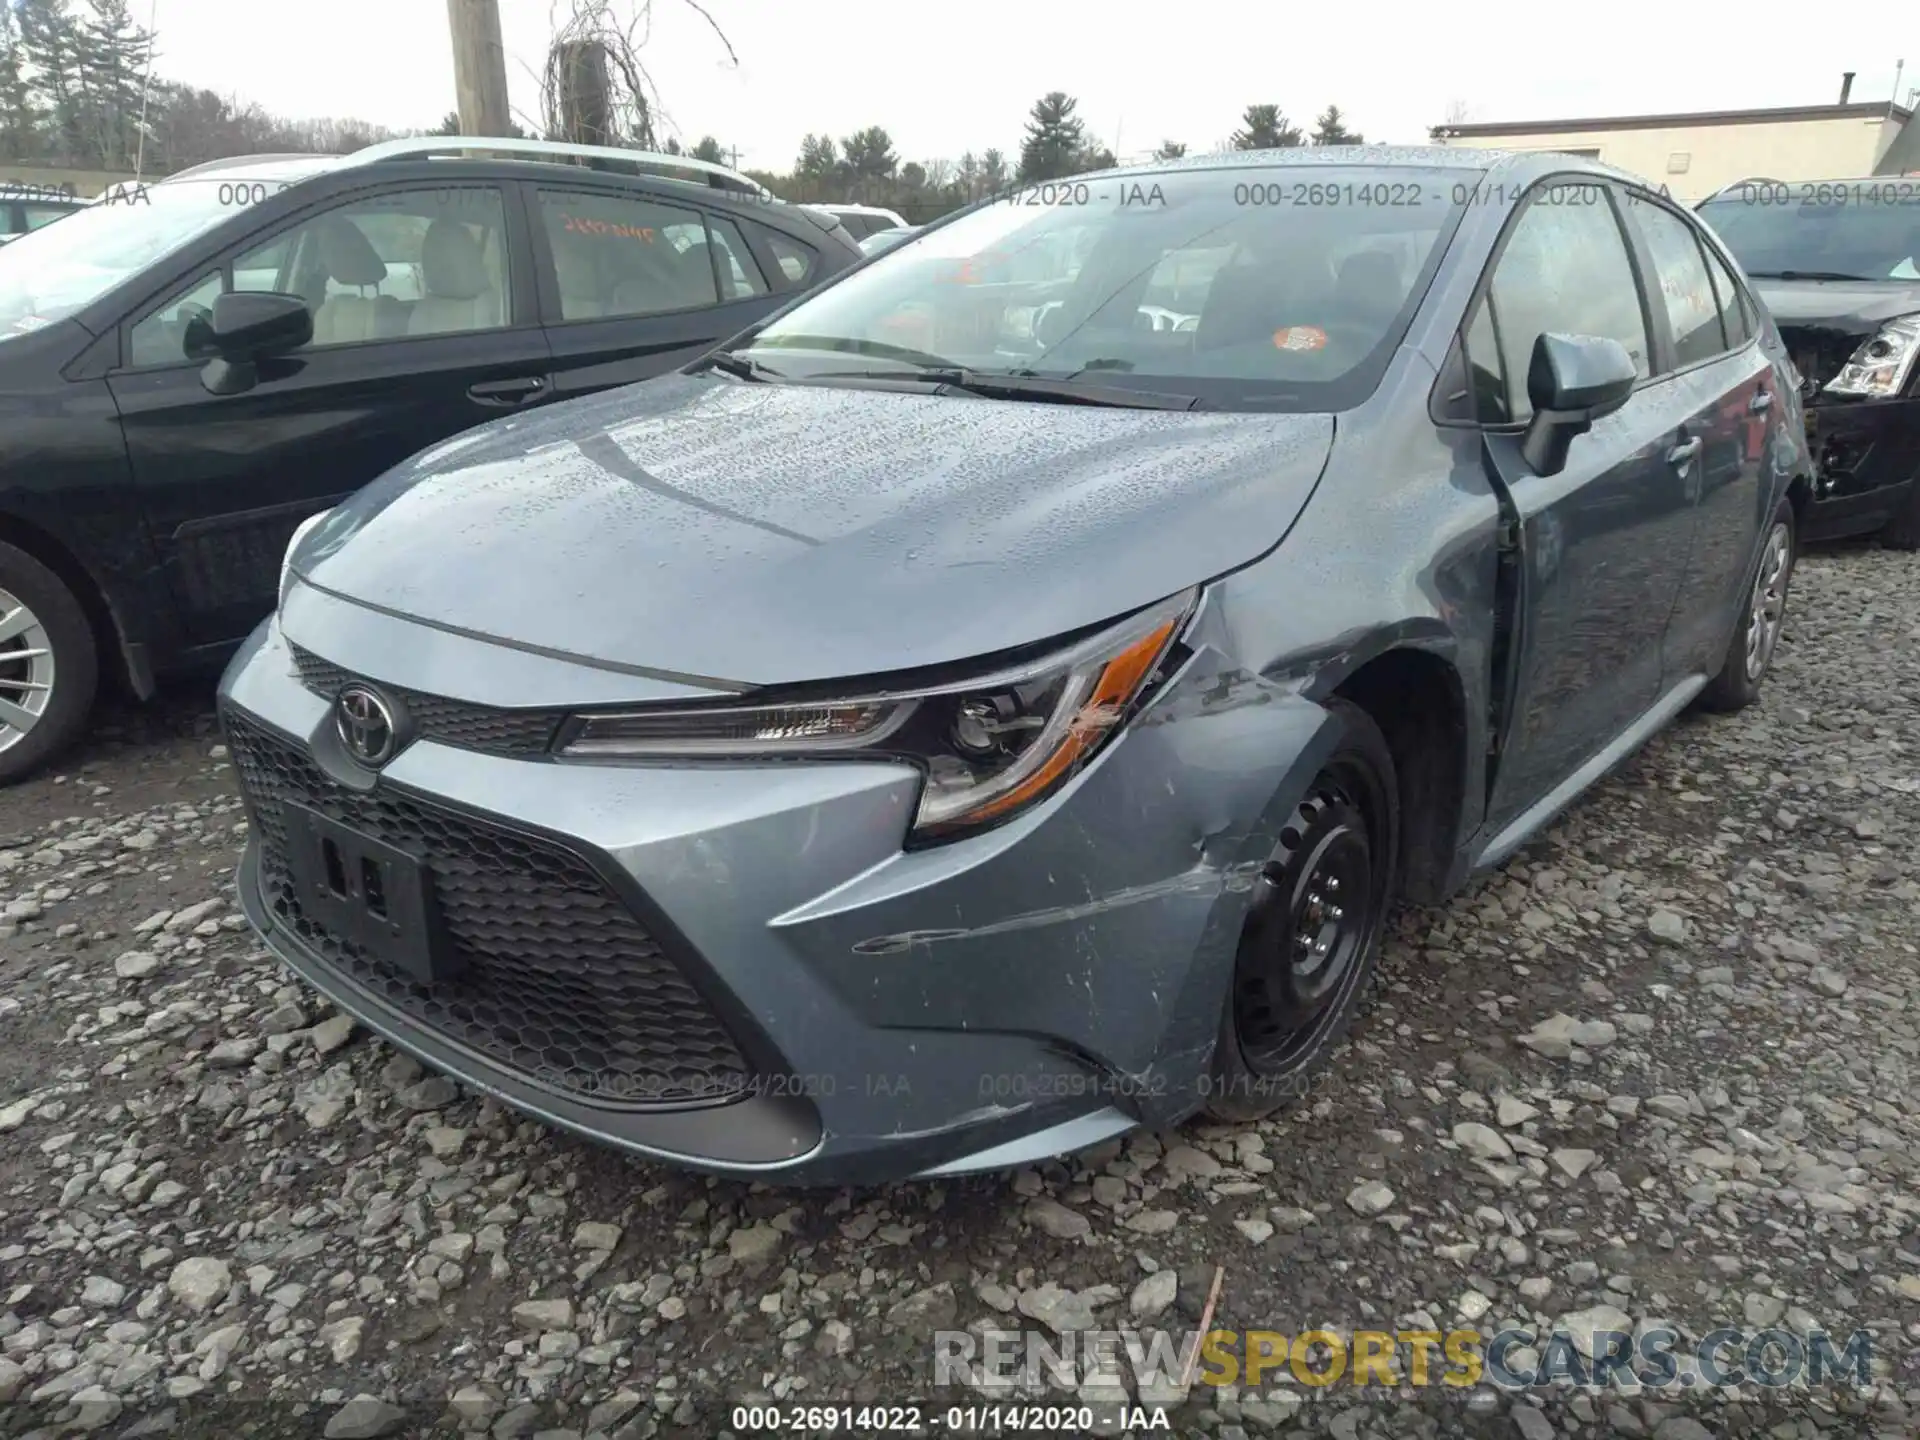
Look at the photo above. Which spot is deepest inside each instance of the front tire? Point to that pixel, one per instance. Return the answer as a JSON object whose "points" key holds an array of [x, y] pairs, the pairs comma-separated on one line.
{"points": [[1902, 532], [49, 668], [1755, 639], [1313, 929]]}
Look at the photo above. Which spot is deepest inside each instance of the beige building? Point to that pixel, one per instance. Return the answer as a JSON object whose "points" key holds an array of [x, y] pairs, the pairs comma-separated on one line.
{"points": [[83, 183], [1694, 155]]}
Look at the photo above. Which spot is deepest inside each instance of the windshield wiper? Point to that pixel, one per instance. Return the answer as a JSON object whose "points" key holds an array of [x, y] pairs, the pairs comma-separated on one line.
{"points": [[739, 366], [997, 385], [1802, 275]]}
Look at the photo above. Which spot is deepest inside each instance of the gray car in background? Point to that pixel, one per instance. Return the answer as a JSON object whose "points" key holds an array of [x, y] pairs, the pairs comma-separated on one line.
{"points": [[963, 718]]}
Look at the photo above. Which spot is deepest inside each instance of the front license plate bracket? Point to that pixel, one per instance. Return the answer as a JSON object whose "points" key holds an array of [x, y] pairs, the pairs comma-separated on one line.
{"points": [[375, 896]]}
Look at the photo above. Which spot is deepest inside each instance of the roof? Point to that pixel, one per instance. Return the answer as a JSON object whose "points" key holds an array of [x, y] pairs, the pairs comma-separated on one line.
{"points": [[1877, 110], [1437, 156]]}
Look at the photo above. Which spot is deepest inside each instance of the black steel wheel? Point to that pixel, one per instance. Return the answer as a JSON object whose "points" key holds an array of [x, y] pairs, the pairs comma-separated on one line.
{"points": [[1313, 928]]}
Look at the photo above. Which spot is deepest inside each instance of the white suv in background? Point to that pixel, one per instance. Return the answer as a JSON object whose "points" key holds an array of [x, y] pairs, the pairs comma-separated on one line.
{"points": [[860, 221]]}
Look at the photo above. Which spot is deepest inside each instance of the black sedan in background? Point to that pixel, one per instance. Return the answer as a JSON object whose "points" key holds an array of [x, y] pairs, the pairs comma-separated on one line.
{"points": [[191, 368], [1838, 264], [27, 207]]}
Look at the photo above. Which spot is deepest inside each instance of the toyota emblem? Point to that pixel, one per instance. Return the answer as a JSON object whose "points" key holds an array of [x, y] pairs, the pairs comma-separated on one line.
{"points": [[366, 725]]}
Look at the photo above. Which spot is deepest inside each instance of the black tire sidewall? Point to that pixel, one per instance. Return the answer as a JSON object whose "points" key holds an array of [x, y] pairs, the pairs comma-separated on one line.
{"points": [[75, 657], [1238, 1092]]}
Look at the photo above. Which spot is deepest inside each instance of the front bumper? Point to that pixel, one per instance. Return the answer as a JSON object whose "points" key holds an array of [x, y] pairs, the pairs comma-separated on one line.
{"points": [[891, 1013], [1867, 458]]}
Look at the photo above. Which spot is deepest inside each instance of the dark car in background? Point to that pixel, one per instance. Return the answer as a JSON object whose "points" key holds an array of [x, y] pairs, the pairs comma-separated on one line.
{"points": [[25, 206], [962, 718], [1837, 262], [191, 368]]}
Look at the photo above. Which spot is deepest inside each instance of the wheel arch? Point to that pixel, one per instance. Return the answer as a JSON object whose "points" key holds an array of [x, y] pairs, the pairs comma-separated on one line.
{"points": [[1417, 696], [112, 639]]}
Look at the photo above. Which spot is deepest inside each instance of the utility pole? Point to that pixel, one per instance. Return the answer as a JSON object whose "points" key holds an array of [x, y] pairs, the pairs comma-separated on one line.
{"points": [[585, 112], [479, 66], [733, 157]]}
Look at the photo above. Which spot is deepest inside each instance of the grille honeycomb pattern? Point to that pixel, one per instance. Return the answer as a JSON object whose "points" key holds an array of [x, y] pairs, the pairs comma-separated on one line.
{"points": [[560, 983], [450, 722]]}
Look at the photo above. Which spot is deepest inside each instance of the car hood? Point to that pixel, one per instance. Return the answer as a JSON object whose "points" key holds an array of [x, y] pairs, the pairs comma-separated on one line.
{"points": [[1849, 307], [755, 534]]}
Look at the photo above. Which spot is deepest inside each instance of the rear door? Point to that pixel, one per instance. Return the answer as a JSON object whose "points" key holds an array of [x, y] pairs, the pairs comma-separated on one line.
{"points": [[1715, 362], [424, 325], [1603, 545], [633, 285]]}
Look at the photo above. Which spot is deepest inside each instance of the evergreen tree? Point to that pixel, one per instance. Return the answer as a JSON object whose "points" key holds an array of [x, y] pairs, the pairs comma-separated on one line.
{"points": [[1056, 140], [1170, 150], [1263, 127], [1331, 129], [993, 172], [50, 45], [20, 113]]}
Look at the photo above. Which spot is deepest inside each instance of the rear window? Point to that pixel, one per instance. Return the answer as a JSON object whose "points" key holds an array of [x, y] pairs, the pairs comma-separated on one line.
{"points": [[1256, 287], [1863, 230]]}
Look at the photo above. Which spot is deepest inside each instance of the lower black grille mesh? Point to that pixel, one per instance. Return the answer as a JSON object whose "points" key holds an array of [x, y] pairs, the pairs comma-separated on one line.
{"points": [[450, 722], [560, 982]]}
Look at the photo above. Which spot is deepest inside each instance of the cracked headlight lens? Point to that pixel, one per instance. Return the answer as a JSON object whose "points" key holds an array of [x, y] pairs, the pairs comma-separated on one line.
{"points": [[989, 746]]}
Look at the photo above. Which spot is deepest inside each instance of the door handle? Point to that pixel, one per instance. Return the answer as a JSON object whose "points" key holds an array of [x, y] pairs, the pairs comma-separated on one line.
{"points": [[1680, 455], [1762, 400], [507, 392]]}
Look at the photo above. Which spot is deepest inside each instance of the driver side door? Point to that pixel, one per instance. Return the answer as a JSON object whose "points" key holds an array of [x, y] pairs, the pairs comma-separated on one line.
{"points": [[424, 325]]}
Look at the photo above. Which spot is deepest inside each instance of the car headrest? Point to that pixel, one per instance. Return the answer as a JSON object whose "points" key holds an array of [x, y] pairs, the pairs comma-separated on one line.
{"points": [[348, 255], [1241, 305], [451, 267], [1371, 280], [579, 277]]}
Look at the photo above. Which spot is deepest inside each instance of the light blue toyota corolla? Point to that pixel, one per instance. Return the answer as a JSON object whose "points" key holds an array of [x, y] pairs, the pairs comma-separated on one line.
{"points": [[997, 701]]}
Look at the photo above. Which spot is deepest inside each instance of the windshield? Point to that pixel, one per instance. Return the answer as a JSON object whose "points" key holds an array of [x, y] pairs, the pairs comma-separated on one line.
{"points": [[47, 274], [1262, 287], [1771, 231]]}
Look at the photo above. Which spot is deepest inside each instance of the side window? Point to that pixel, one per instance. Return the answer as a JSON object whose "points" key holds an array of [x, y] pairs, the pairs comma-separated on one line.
{"points": [[160, 338], [614, 255], [1486, 375], [797, 262], [1681, 275], [1733, 311], [265, 268], [409, 263], [740, 274], [413, 262], [38, 215], [1565, 270]]}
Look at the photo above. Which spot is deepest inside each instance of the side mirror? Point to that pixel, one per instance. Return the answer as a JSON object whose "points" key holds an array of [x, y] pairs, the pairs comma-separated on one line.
{"points": [[1572, 381], [243, 328]]}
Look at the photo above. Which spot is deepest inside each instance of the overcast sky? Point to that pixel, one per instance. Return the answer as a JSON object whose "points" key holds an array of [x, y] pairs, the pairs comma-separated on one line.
{"points": [[946, 79]]}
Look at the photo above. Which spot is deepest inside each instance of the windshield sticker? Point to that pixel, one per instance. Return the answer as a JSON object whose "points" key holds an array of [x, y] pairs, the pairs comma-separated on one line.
{"points": [[1299, 337], [581, 225]]}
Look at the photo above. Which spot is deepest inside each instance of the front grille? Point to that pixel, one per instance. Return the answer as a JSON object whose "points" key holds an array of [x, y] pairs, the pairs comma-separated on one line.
{"points": [[450, 722], [560, 983]]}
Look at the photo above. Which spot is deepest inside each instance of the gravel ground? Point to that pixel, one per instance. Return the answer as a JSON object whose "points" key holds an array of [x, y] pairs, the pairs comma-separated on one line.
{"points": [[1663, 1069]]}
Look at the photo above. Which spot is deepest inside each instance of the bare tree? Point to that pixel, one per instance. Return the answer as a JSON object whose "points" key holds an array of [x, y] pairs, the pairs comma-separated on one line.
{"points": [[1458, 112], [594, 45]]}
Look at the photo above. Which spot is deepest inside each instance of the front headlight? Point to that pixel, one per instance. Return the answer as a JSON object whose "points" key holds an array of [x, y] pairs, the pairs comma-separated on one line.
{"points": [[989, 747], [286, 560], [1880, 367]]}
